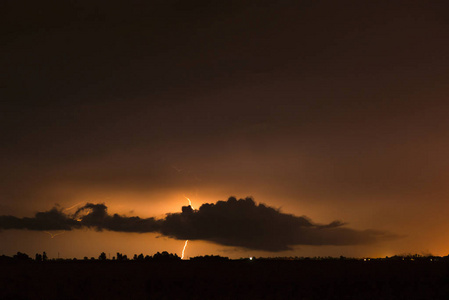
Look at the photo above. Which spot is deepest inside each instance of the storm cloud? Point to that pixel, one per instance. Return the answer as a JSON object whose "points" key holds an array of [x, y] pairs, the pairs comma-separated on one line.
{"points": [[239, 223], [245, 224], [96, 216], [54, 219]]}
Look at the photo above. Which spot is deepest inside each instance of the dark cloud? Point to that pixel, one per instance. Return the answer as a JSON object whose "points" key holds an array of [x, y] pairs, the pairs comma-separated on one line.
{"points": [[240, 223], [96, 216], [53, 219]]}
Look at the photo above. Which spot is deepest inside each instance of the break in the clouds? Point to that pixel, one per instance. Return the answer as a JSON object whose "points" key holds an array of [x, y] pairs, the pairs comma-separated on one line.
{"points": [[239, 223]]}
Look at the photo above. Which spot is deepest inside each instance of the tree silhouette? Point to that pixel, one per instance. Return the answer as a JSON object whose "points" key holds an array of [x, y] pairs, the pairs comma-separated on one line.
{"points": [[121, 256], [38, 257], [210, 258], [21, 256], [102, 256], [165, 256]]}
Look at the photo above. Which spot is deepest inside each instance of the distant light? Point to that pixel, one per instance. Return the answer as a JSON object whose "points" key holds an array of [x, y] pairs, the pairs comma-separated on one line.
{"points": [[364, 259], [251, 258]]}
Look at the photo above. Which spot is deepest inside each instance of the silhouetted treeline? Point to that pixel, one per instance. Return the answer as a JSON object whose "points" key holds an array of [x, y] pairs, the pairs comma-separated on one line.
{"points": [[165, 256], [213, 277], [209, 258]]}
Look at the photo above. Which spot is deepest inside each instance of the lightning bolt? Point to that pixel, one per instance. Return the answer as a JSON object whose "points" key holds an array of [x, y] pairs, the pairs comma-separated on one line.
{"points": [[185, 244], [72, 207], [52, 235], [184, 249], [177, 169], [190, 202]]}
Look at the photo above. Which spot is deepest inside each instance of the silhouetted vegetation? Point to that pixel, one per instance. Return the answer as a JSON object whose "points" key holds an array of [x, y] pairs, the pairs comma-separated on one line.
{"points": [[21, 256], [209, 258], [102, 256], [164, 275], [121, 257], [38, 257], [165, 256]]}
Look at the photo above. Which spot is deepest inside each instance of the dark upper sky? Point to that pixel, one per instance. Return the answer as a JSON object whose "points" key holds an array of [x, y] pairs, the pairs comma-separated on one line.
{"points": [[331, 109]]}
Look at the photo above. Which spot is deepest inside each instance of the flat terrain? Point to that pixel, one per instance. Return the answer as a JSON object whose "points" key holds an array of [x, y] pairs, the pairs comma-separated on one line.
{"points": [[224, 280]]}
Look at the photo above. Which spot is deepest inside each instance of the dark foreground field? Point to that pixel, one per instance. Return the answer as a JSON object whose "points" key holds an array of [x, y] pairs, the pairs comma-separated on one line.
{"points": [[224, 280]]}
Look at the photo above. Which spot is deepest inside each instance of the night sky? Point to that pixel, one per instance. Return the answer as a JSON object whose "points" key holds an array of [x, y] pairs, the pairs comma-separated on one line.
{"points": [[331, 115]]}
